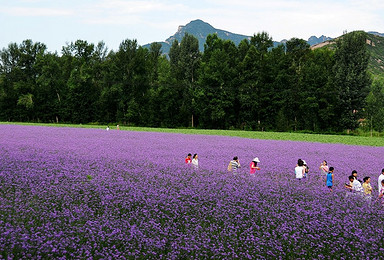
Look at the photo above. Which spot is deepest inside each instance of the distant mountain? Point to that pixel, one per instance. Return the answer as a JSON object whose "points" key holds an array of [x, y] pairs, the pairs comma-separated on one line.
{"points": [[377, 33], [314, 40], [200, 30]]}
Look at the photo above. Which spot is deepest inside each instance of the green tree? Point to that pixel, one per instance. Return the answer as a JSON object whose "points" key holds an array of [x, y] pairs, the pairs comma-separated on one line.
{"points": [[52, 89], [319, 96], [218, 82], [185, 63], [351, 78], [255, 78], [131, 73], [18, 84], [83, 92], [297, 51], [375, 106]]}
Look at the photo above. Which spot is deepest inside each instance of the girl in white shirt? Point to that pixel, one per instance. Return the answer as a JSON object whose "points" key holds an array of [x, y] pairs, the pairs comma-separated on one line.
{"points": [[300, 170], [195, 161]]}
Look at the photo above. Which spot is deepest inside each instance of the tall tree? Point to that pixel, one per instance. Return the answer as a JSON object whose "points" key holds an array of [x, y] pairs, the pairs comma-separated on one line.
{"points": [[218, 101], [254, 81], [83, 93], [297, 51], [185, 63], [375, 106], [19, 74], [351, 78]]}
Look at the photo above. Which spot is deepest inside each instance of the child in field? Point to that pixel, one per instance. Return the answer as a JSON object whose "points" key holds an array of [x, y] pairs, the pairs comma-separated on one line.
{"points": [[324, 170], [188, 159], [329, 181], [253, 166]]}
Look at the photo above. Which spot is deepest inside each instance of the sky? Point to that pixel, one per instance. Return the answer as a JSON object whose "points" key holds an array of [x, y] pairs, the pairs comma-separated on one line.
{"points": [[57, 23]]}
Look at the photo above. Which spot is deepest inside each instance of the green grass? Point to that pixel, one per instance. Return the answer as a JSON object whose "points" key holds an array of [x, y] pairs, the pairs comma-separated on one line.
{"points": [[321, 138]]}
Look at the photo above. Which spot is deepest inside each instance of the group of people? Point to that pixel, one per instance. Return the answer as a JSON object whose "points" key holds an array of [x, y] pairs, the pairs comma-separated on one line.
{"points": [[355, 185], [234, 165], [194, 161], [117, 127], [364, 187]]}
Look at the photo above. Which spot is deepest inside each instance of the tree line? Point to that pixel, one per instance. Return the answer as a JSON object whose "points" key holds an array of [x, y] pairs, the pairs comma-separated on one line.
{"points": [[251, 86]]}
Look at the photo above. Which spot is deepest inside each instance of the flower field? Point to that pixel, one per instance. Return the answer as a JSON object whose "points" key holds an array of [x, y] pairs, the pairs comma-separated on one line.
{"points": [[91, 193]]}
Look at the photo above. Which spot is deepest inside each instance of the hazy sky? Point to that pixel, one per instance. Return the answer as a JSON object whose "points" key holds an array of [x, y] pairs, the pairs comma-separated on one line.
{"points": [[58, 22]]}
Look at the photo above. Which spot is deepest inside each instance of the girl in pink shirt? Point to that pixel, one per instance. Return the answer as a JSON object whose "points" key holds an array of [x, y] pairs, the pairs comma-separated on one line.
{"points": [[253, 166]]}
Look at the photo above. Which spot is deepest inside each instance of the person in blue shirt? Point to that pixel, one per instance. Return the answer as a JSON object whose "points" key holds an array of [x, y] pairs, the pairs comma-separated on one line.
{"points": [[329, 179]]}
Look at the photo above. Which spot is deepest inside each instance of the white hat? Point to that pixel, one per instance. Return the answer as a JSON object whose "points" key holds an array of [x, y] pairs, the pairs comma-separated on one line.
{"points": [[256, 159], [304, 162]]}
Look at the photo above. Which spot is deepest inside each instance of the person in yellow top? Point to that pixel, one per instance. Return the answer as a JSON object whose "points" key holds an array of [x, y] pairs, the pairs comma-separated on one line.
{"points": [[367, 190], [367, 186]]}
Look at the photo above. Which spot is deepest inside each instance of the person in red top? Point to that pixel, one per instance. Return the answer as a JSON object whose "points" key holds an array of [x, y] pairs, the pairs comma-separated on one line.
{"points": [[188, 160], [253, 166]]}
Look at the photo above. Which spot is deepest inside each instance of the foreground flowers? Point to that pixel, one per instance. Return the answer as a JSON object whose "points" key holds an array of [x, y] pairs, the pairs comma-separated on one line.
{"points": [[83, 193]]}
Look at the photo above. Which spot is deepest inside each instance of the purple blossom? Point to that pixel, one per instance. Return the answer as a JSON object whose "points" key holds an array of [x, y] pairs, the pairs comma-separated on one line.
{"points": [[88, 193]]}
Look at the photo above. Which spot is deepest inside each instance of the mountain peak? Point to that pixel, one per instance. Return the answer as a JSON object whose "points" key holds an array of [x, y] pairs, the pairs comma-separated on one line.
{"points": [[201, 30]]}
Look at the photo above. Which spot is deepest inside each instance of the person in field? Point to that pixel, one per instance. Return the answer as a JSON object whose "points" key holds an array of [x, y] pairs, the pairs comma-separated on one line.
{"points": [[379, 180], [195, 161], [381, 193], [306, 169], [323, 170], [329, 179], [367, 186], [367, 189], [188, 159], [234, 165], [356, 187], [299, 169], [253, 166], [354, 174]]}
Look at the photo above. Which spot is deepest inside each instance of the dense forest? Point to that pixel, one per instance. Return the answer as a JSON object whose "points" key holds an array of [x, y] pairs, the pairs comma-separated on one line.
{"points": [[250, 86]]}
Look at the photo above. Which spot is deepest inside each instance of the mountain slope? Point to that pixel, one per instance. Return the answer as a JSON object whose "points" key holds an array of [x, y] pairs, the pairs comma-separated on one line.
{"points": [[201, 30], [375, 46]]}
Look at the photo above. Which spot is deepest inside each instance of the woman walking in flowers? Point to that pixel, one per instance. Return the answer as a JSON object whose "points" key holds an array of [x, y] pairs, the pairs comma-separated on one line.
{"points": [[253, 166], [323, 170]]}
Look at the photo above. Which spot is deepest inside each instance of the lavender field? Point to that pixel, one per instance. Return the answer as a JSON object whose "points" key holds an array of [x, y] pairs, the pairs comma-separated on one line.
{"points": [[91, 193]]}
